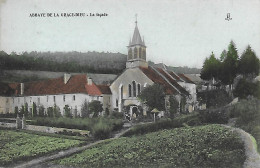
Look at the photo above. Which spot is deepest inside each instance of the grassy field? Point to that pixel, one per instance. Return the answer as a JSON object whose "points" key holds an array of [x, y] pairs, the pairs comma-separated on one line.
{"points": [[16, 145], [202, 146]]}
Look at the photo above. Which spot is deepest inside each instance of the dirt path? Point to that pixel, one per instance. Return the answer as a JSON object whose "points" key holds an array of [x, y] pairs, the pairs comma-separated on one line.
{"points": [[41, 161], [252, 156]]}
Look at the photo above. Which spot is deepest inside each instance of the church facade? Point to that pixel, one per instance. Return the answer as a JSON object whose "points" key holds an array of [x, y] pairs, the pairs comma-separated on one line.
{"points": [[121, 92]]}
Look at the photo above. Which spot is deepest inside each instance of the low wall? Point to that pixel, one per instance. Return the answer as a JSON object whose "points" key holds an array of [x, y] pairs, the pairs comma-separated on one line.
{"points": [[54, 129], [7, 125]]}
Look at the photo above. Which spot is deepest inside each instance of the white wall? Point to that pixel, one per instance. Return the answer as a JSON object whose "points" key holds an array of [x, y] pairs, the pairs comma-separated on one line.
{"points": [[126, 78], [48, 101]]}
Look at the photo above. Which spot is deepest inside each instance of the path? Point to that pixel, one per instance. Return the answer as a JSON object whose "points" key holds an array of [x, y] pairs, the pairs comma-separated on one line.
{"points": [[38, 162], [252, 156]]}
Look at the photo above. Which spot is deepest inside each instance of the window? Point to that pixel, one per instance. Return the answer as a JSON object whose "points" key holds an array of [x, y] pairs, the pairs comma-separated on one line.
{"points": [[135, 53], [140, 52], [54, 99], [116, 103], [64, 98], [134, 89], [144, 54], [121, 92], [39, 100], [47, 98], [74, 97], [138, 89], [130, 54], [130, 90]]}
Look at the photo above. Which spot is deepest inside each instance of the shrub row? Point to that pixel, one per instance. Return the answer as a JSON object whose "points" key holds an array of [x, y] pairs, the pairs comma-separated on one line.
{"points": [[191, 120], [100, 127]]}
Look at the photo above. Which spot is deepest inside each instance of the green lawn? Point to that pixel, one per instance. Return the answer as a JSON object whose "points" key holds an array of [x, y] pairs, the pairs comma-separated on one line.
{"points": [[202, 146], [16, 145]]}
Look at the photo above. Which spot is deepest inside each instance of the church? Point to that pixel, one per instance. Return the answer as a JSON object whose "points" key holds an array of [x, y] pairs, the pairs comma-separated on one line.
{"points": [[122, 90]]}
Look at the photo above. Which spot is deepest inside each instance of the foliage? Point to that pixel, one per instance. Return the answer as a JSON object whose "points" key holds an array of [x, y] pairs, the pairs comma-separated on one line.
{"points": [[56, 111], [214, 116], [41, 111], [78, 123], [34, 110], [26, 111], [67, 111], [95, 107], [246, 88], [84, 109], [191, 119], [214, 98], [153, 96], [16, 145], [16, 111], [64, 62], [50, 112], [174, 106], [247, 113], [249, 64], [211, 68], [101, 130], [205, 146], [117, 115]]}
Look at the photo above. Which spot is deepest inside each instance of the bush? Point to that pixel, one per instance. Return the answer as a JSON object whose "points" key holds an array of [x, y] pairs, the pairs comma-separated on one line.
{"points": [[214, 116], [245, 88], [214, 98], [191, 120], [101, 130], [116, 114]]}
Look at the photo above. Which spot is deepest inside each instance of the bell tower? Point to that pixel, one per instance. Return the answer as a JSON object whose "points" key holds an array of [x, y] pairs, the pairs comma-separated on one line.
{"points": [[136, 50]]}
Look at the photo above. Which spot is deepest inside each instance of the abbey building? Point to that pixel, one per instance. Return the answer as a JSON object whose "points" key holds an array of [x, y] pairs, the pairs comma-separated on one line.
{"points": [[119, 92]]}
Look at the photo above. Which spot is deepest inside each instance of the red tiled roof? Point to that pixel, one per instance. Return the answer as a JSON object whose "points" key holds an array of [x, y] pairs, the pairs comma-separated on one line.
{"points": [[156, 78], [6, 89], [172, 81], [185, 78], [76, 84], [177, 78], [104, 89]]}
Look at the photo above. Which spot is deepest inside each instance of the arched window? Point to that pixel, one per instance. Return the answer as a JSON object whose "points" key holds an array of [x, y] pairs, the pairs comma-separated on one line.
{"points": [[122, 93], [135, 53], [134, 89], [144, 54], [138, 89], [130, 90], [140, 53], [130, 54]]}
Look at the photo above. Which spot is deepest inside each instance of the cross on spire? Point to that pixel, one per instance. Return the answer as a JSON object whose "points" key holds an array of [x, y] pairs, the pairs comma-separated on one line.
{"points": [[136, 19]]}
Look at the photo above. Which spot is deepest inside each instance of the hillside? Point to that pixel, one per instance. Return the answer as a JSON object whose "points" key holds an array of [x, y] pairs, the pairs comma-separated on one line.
{"points": [[203, 146], [64, 62]]}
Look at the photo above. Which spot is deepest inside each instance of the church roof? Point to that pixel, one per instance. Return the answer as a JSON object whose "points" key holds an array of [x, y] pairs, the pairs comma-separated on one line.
{"points": [[136, 40], [160, 77], [76, 84], [185, 78]]}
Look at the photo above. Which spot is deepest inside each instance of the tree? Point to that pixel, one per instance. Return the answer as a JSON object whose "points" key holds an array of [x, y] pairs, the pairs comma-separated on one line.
{"points": [[84, 109], [67, 112], [41, 111], [153, 96], [249, 63], [174, 106], [245, 88], [56, 111], [229, 65], [34, 111], [50, 111], [26, 111], [211, 68], [95, 106]]}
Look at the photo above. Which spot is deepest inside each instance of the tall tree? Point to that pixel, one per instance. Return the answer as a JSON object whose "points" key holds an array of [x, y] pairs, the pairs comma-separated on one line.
{"points": [[249, 64], [210, 68], [229, 65], [153, 96]]}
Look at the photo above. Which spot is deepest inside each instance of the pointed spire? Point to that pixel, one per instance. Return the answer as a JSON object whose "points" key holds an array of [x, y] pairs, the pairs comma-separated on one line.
{"points": [[136, 37], [143, 40], [130, 41]]}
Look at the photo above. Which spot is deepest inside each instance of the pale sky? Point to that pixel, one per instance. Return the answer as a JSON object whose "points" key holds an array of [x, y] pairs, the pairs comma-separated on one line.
{"points": [[176, 32]]}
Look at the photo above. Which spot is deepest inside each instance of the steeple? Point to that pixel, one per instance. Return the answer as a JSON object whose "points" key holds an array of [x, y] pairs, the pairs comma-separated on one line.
{"points": [[136, 50]]}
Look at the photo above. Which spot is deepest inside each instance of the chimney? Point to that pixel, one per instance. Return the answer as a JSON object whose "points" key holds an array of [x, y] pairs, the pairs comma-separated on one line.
{"points": [[22, 88], [89, 81], [66, 77]]}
